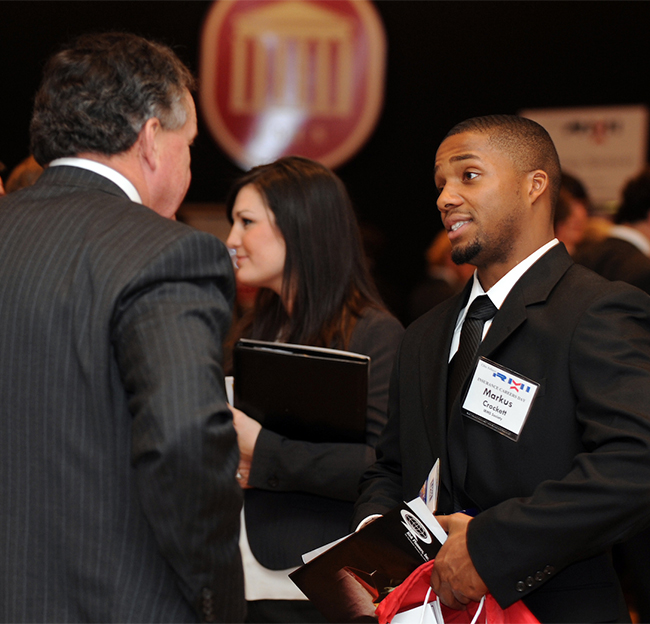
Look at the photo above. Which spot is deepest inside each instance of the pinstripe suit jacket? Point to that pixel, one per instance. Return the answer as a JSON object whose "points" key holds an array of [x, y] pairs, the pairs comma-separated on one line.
{"points": [[118, 454]]}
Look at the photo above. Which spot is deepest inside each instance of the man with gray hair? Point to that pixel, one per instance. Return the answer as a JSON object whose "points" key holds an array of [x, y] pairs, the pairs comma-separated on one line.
{"points": [[117, 480]]}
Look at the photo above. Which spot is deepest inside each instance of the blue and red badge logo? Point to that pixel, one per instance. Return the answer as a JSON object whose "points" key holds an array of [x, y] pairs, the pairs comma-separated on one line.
{"points": [[512, 383]]}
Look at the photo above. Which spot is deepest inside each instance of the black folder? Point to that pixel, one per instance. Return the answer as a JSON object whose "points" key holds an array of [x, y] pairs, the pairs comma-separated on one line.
{"points": [[302, 392]]}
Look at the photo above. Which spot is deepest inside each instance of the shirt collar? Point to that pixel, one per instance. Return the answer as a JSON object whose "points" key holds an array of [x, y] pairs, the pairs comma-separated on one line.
{"points": [[502, 288], [103, 170], [497, 293]]}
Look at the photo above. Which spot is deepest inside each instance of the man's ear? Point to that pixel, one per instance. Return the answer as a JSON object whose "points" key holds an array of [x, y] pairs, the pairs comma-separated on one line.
{"points": [[538, 183], [148, 142]]}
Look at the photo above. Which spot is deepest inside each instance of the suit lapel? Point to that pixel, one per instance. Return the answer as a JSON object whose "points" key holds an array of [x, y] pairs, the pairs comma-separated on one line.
{"points": [[533, 287]]}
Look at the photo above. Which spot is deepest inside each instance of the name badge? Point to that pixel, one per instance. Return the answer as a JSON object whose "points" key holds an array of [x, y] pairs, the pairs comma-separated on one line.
{"points": [[499, 398]]}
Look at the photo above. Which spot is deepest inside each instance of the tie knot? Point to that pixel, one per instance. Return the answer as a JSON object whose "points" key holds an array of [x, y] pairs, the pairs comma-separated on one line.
{"points": [[482, 309]]}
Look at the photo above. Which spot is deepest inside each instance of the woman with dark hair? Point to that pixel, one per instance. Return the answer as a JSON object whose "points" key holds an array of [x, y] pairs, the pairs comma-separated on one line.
{"points": [[296, 238]]}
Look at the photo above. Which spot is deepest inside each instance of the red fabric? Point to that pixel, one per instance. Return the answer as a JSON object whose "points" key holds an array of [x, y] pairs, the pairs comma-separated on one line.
{"points": [[413, 590]]}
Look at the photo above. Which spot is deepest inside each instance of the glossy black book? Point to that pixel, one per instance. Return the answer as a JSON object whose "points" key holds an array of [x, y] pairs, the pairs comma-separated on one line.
{"points": [[301, 392]]}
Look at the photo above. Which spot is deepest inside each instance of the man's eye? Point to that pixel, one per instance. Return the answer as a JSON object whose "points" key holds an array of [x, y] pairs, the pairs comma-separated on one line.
{"points": [[470, 175]]}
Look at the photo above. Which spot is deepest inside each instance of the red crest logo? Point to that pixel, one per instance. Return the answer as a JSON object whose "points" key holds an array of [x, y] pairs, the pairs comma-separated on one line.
{"points": [[285, 77]]}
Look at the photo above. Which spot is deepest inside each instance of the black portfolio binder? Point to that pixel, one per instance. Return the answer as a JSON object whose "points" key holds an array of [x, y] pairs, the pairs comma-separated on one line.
{"points": [[301, 392]]}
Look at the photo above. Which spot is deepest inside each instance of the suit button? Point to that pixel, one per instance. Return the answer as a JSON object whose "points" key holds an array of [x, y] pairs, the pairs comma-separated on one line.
{"points": [[273, 482], [520, 586], [207, 596], [530, 581], [539, 576], [549, 569]]}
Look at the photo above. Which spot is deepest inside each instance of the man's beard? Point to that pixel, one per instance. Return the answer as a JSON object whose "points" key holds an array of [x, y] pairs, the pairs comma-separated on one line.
{"points": [[464, 255]]}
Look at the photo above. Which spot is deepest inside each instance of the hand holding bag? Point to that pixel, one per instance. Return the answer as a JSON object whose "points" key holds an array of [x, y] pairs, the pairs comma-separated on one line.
{"points": [[409, 604]]}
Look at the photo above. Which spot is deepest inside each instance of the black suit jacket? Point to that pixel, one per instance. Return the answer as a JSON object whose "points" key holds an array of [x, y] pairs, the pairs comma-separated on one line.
{"points": [[119, 502], [577, 480]]}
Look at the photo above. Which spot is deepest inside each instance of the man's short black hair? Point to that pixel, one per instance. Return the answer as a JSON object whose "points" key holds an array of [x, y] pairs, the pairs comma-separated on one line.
{"points": [[528, 144]]}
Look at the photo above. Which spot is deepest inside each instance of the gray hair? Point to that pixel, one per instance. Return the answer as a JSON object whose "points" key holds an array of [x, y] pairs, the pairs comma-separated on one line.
{"points": [[97, 94]]}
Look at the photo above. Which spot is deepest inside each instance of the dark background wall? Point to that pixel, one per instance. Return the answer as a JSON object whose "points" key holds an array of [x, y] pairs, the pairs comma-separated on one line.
{"points": [[446, 61]]}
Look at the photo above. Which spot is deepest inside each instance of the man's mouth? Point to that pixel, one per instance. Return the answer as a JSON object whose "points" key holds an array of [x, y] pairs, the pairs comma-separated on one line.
{"points": [[458, 225]]}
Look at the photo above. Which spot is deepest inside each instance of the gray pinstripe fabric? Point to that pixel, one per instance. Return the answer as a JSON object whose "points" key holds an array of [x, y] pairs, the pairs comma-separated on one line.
{"points": [[117, 451]]}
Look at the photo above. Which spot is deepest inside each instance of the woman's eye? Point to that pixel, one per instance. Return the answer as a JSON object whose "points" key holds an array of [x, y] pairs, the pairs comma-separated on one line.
{"points": [[246, 222]]}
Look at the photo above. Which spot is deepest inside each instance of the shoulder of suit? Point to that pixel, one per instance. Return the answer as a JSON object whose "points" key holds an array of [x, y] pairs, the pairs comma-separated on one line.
{"points": [[376, 325], [581, 288], [438, 315]]}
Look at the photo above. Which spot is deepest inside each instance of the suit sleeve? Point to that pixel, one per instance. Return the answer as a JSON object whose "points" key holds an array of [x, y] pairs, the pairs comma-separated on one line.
{"points": [[333, 469], [381, 486], [167, 335], [605, 495]]}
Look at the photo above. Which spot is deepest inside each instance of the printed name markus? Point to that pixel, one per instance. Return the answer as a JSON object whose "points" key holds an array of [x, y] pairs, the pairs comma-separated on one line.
{"points": [[497, 397]]}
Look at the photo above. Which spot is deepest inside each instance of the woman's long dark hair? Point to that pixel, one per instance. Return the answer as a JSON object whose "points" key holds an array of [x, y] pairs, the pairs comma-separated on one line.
{"points": [[325, 273]]}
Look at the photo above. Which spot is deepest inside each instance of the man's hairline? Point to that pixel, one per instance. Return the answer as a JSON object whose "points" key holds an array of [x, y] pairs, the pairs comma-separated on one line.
{"points": [[470, 156]]}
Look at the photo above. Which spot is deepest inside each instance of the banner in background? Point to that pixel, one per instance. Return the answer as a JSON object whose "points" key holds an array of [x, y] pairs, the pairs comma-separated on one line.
{"points": [[602, 146], [285, 77]]}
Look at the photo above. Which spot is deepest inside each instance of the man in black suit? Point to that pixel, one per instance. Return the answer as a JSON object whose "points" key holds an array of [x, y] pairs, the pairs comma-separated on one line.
{"points": [[555, 480], [117, 479]]}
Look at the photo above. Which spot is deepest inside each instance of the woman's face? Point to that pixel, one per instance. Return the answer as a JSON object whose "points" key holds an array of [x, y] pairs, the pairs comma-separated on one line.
{"points": [[259, 245]]}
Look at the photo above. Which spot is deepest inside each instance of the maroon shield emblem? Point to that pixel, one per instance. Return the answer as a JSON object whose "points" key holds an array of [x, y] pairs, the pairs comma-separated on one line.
{"points": [[299, 77]]}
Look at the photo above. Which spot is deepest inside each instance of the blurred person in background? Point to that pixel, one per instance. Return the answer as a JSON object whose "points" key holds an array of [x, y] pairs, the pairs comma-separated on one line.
{"points": [[575, 220], [24, 174], [624, 254], [444, 278]]}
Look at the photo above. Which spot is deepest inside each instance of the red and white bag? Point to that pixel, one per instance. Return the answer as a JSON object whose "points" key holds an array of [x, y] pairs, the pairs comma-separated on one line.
{"points": [[414, 602]]}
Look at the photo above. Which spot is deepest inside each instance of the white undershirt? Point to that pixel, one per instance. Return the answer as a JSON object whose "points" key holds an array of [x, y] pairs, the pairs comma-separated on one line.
{"points": [[102, 170]]}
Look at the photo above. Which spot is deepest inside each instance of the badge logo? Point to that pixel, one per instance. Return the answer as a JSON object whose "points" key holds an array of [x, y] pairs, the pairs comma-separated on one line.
{"points": [[285, 77], [514, 384]]}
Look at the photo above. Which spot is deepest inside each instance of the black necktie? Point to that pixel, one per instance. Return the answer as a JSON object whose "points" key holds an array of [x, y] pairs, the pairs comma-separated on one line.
{"points": [[481, 310]]}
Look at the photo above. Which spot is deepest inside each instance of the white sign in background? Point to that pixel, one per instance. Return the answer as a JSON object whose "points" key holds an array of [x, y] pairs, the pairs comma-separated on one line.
{"points": [[602, 146]]}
